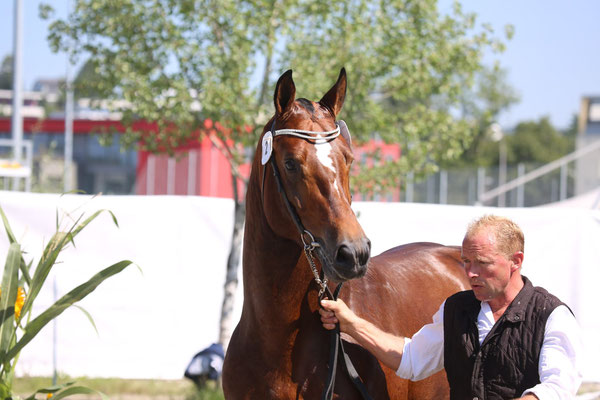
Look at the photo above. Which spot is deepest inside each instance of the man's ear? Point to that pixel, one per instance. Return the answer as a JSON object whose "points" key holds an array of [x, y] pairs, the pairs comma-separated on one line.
{"points": [[517, 259]]}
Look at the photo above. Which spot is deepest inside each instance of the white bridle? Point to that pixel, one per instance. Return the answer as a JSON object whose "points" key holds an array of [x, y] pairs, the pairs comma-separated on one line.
{"points": [[267, 141], [311, 135]]}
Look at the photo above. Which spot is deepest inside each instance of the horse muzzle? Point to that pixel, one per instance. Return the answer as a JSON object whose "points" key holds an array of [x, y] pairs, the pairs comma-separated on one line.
{"points": [[349, 260]]}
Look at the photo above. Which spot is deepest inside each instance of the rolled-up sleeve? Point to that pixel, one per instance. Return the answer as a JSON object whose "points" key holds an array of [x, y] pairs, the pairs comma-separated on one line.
{"points": [[560, 359], [423, 354]]}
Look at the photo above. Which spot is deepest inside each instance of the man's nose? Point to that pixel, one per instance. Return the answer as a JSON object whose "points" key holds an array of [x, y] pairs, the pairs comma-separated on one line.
{"points": [[470, 272]]}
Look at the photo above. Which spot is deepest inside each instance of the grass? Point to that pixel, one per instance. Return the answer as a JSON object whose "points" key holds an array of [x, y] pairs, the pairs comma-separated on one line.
{"points": [[587, 387], [115, 388], [151, 389]]}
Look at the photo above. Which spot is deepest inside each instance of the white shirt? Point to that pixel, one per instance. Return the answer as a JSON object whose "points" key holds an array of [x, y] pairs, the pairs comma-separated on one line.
{"points": [[559, 368]]}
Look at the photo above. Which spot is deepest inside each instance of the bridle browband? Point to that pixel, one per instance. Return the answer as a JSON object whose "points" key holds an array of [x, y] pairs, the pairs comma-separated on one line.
{"points": [[310, 244]]}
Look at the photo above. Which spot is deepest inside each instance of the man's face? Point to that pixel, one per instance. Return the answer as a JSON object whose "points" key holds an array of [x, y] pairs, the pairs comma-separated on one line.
{"points": [[488, 270]]}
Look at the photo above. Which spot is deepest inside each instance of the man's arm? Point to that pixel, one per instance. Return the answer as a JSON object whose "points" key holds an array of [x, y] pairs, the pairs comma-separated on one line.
{"points": [[528, 396], [559, 368], [386, 347], [415, 358]]}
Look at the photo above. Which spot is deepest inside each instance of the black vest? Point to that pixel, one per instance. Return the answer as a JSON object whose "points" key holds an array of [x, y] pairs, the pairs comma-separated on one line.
{"points": [[506, 364]]}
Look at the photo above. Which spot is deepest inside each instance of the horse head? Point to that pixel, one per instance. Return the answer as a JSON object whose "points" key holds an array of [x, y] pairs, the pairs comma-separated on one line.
{"points": [[305, 168]]}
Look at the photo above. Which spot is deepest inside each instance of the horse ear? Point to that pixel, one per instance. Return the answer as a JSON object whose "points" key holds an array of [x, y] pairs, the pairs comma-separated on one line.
{"points": [[285, 92], [334, 98]]}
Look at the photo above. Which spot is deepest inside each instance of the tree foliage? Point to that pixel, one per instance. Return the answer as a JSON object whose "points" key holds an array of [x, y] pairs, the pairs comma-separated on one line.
{"points": [[6, 73], [180, 62], [538, 142], [87, 81], [490, 96]]}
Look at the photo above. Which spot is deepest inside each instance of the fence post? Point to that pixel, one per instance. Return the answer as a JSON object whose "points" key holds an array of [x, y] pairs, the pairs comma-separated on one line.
{"points": [[563, 182], [410, 187], [521, 188], [430, 189], [443, 187], [480, 183]]}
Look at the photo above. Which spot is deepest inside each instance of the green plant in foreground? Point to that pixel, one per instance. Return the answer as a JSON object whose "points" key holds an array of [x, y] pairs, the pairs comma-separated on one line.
{"points": [[19, 289]]}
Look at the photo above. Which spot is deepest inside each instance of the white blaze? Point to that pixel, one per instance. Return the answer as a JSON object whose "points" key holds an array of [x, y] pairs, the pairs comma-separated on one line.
{"points": [[323, 149]]}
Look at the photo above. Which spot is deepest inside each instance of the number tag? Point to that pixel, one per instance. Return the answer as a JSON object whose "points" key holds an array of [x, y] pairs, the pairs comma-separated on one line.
{"points": [[267, 147]]}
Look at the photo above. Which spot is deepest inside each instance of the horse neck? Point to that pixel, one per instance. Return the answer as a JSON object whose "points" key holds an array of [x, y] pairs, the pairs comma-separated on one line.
{"points": [[277, 278]]}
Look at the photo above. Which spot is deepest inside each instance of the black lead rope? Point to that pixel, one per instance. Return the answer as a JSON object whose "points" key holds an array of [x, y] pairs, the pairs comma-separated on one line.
{"points": [[336, 343]]}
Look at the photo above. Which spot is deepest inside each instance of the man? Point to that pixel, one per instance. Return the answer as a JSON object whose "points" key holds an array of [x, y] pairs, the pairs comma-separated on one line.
{"points": [[503, 339]]}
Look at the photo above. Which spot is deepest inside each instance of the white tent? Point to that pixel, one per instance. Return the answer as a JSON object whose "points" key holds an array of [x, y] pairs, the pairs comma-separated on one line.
{"points": [[151, 323], [589, 201]]}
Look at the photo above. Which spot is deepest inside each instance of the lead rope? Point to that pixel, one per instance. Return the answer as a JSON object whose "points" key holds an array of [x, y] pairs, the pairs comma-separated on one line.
{"points": [[337, 344]]}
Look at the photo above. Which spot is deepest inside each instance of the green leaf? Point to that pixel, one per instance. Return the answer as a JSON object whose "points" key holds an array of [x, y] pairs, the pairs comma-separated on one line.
{"points": [[10, 234], [78, 390], [47, 261], [114, 218], [87, 221], [4, 391], [89, 317], [51, 389], [10, 281], [51, 253], [64, 302], [12, 239]]}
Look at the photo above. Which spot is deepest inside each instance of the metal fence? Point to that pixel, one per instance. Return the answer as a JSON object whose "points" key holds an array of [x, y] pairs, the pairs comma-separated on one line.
{"points": [[524, 185], [11, 171]]}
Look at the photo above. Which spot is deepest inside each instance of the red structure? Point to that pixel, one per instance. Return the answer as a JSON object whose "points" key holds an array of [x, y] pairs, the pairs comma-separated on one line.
{"points": [[198, 169]]}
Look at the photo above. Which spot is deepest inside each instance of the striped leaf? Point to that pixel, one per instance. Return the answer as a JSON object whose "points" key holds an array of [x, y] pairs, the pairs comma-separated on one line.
{"points": [[50, 390], [58, 241], [12, 239], [78, 390], [8, 296], [63, 303]]}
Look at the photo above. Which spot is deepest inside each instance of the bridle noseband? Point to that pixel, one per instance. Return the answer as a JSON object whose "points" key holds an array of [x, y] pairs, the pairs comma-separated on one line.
{"points": [[310, 244]]}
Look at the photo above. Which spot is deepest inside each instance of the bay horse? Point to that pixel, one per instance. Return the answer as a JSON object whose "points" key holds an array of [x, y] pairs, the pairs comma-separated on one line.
{"points": [[299, 192]]}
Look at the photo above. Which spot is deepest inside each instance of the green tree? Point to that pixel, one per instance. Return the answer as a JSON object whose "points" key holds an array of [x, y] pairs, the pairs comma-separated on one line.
{"points": [[483, 104], [537, 142], [88, 82], [6, 73], [179, 63]]}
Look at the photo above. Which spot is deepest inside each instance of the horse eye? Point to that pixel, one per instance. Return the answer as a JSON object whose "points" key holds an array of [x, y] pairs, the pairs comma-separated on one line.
{"points": [[290, 165]]}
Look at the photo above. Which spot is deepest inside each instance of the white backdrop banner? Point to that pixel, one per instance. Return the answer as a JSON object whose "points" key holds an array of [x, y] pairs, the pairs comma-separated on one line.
{"points": [[151, 322]]}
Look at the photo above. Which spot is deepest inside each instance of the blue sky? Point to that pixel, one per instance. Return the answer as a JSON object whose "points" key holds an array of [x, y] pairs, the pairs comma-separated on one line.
{"points": [[553, 59]]}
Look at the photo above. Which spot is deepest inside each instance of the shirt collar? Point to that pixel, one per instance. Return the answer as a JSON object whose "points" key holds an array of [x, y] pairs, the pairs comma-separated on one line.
{"points": [[516, 310]]}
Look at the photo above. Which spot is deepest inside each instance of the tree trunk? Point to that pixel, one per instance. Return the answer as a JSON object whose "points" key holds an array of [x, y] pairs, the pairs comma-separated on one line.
{"points": [[231, 277]]}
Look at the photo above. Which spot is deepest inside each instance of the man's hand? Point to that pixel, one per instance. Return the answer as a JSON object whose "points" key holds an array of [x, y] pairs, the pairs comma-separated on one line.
{"points": [[385, 346], [334, 312]]}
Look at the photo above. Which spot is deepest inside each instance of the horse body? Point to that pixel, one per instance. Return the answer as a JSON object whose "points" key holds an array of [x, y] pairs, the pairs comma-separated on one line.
{"points": [[279, 350]]}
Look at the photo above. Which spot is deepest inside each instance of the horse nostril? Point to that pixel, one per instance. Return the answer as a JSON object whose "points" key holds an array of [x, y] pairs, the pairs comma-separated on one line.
{"points": [[345, 256], [354, 255], [364, 253]]}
